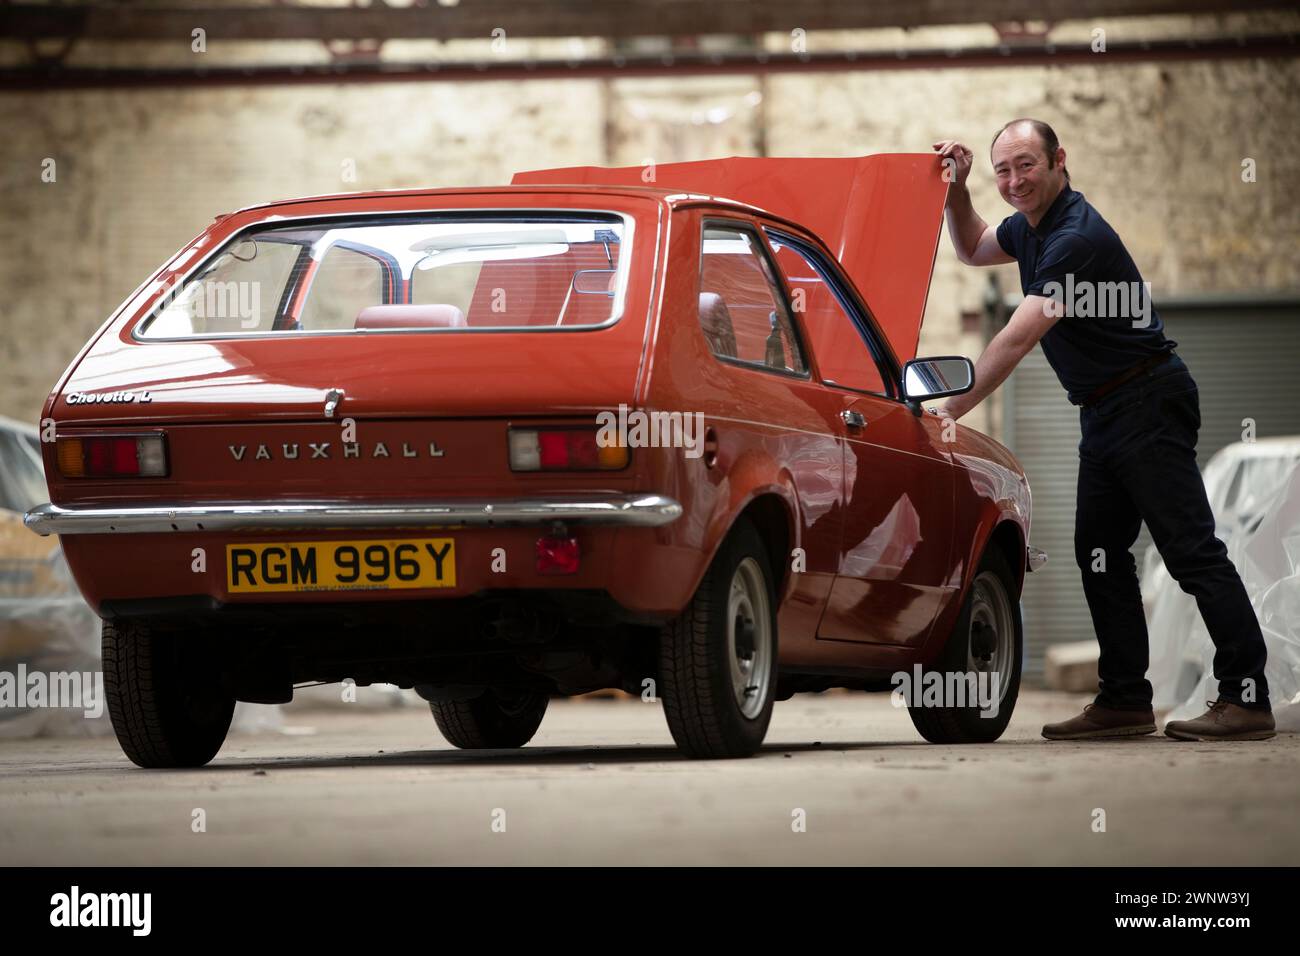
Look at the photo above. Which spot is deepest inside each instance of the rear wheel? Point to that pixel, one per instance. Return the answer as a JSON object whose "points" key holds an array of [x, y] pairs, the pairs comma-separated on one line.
{"points": [[986, 644], [496, 719], [717, 660], [166, 702]]}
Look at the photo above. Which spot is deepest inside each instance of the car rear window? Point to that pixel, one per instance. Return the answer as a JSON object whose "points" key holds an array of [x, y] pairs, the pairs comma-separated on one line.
{"points": [[435, 273]]}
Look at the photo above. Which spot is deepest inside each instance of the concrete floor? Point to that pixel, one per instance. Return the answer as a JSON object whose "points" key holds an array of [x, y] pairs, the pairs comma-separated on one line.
{"points": [[601, 783]]}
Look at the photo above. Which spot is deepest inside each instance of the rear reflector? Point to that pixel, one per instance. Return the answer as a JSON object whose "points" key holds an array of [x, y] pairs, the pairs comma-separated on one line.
{"points": [[112, 456], [563, 449], [556, 555]]}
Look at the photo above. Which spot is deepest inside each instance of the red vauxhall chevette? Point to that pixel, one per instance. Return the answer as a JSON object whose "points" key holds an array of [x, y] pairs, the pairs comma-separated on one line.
{"points": [[658, 429]]}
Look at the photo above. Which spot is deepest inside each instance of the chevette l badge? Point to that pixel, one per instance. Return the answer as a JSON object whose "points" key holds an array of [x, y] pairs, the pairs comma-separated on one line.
{"points": [[108, 398], [292, 450]]}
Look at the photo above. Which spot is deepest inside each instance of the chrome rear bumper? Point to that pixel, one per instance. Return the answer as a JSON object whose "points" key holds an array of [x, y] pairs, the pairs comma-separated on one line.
{"points": [[644, 511], [1035, 558]]}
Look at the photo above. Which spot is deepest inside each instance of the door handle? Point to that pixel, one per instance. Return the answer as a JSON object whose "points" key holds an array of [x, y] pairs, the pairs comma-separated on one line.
{"points": [[853, 419]]}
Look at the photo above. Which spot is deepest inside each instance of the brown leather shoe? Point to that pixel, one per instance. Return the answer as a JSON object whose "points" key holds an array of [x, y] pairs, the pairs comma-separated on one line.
{"points": [[1096, 721], [1225, 721]]}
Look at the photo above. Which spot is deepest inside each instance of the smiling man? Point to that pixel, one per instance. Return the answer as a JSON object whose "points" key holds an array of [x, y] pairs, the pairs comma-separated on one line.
{"points": [[1086, 302]]}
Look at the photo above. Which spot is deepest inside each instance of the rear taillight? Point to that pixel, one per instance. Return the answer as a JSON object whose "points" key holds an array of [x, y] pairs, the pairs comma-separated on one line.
{"points": [[112, 456], [563, 449]]}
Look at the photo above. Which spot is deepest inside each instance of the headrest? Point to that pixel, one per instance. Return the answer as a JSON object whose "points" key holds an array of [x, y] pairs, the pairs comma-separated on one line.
{"points": [[410, 317], [715, 320]]}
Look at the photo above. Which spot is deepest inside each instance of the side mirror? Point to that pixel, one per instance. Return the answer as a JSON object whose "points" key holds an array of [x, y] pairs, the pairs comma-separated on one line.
{"points": [[937, 377]]}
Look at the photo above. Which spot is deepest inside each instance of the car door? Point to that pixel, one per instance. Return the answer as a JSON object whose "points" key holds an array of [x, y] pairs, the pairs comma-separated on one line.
{"points": [[896, 533], [778, 410]]}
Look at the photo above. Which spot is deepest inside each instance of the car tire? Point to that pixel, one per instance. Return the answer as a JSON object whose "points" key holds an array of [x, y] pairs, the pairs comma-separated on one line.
{"points": [[495, 720], [167, 708], [717, 659], [989, 637]]}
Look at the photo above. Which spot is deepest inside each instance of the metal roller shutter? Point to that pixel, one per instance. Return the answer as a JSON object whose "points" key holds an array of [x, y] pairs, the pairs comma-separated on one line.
{"points": [[1245, 356]]}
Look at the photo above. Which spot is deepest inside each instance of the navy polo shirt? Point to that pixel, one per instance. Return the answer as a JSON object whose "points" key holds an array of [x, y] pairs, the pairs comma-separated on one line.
{"points": [[1108, 322]]}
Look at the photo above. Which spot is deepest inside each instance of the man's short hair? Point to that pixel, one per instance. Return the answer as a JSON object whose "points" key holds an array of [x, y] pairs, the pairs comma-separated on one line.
{"points": [[1045, 133]]}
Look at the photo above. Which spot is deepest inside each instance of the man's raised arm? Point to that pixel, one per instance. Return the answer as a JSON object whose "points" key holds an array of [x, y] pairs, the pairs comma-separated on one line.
{"points": [[975, 241], [1029, 323]]}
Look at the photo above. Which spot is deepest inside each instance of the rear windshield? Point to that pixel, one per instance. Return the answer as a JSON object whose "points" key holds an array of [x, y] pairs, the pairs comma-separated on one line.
{"points": [[464, 271]]}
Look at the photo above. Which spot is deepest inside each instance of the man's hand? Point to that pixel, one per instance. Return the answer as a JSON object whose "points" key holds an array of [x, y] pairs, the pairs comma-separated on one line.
{"points": [[975, 243], [956, 159]]}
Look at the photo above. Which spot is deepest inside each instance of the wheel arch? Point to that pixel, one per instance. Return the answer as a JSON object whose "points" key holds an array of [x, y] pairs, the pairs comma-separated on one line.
{"points": [[1008, 538], [772, 518], [772, 508]]}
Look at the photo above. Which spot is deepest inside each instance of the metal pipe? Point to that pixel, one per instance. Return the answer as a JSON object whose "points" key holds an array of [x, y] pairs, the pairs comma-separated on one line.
{"points": [[53, 78]]}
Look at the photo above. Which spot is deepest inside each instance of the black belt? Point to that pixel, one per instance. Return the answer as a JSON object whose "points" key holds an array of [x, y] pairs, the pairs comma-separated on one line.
{"points": [[1148, 363]]}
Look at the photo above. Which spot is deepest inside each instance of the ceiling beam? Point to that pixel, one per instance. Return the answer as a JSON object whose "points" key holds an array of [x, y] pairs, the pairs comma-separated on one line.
{"points": [[556, 18], [51, 78]]}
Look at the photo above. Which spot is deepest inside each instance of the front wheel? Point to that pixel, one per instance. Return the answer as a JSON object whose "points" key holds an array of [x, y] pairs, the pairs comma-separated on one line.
{"points": [[979, 669], [717, 660]]}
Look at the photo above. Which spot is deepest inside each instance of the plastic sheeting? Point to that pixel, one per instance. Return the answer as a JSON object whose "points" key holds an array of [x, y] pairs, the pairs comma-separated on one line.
{"points": [[1254, 489], [45, 627]]}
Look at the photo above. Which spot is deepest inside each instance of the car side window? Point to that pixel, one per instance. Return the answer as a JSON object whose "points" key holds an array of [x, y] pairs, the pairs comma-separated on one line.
{"points": [[741, 308], [346, 282], [843, 355], [237, 292]]}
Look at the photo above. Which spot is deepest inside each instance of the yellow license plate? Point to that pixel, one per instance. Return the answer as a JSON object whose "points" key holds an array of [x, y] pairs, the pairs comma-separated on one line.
{"points": [[341, 565]]}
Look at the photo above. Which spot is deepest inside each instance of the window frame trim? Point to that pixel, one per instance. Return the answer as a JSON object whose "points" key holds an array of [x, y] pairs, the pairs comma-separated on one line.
{"points": [[764, 252], [855, 308], [389, 280], [512, 213]]}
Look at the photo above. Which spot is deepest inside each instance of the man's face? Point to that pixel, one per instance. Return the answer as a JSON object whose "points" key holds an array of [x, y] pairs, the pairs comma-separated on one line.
{"points": [[1023, 176]]}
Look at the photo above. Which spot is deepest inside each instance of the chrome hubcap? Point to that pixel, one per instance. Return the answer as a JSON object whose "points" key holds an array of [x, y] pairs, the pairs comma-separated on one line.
{"points": [[991, 643], [749, 637]]}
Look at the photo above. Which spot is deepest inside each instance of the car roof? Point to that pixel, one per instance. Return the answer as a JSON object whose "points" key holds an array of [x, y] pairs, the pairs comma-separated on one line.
{"points": [[668, 196]]}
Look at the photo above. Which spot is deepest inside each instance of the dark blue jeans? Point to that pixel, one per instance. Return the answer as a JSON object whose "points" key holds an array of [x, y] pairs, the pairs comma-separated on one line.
{"points": [[1137, 462]]}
